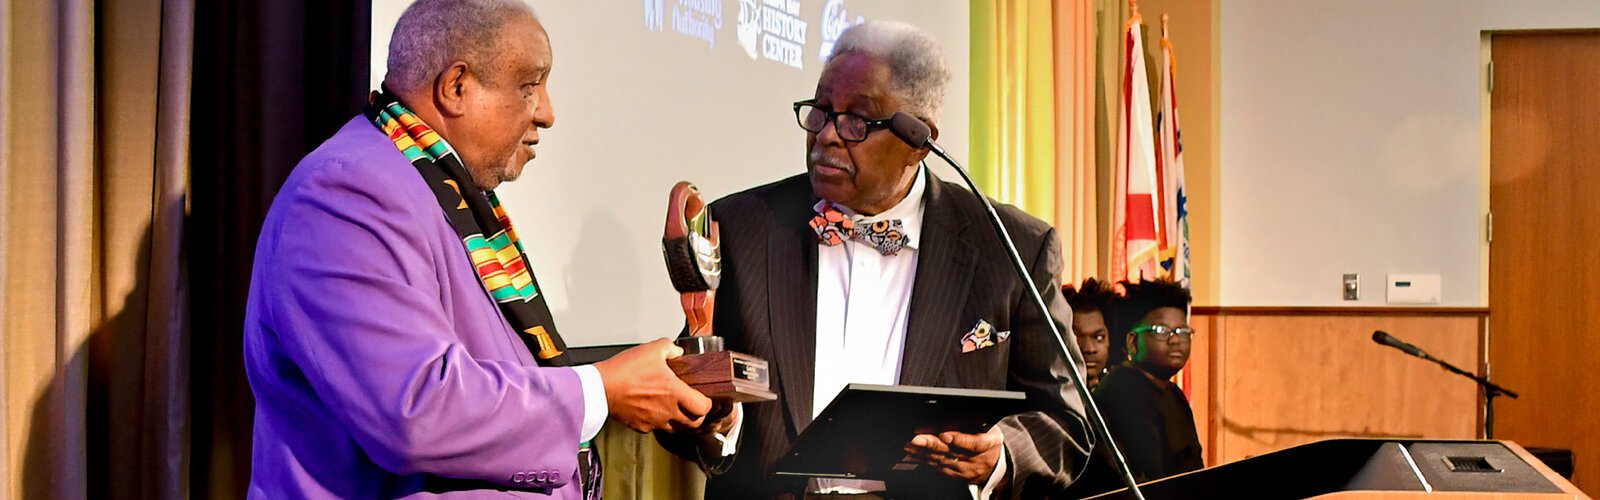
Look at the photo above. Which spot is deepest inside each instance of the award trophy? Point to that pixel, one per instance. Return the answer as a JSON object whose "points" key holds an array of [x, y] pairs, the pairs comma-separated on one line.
{"points": [[694, 262]]}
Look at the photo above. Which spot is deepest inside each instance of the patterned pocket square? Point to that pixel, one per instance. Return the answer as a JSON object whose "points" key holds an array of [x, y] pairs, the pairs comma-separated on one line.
{"points": [[982, 336]]}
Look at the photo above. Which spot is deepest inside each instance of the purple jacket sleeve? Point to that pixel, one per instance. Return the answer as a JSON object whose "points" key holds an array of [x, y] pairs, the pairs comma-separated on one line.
{"points": [[355, 303]]}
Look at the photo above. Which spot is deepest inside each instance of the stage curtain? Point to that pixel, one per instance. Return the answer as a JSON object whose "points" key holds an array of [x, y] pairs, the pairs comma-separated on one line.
{"points": [[1033, 112], [93, 175], [272, 80]]}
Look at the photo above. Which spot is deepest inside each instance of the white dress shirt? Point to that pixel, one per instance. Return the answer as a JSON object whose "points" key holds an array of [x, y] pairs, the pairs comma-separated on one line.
{"points": [[863, 306], [863, 302], [595, 409]]}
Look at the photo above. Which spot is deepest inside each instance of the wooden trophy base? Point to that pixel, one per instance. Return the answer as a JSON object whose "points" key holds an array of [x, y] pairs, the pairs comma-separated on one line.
{"points": [[726, 375]]}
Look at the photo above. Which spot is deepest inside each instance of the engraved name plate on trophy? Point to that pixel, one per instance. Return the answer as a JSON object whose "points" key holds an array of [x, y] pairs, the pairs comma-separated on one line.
{"points": [[690, 244]]}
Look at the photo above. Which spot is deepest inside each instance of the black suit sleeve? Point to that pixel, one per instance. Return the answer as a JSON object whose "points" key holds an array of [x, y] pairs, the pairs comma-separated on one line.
{"points": [[1048, 448]]}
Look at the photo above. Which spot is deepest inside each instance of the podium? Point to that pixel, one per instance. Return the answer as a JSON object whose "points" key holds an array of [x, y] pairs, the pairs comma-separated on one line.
{"points": [[1389, 469]]}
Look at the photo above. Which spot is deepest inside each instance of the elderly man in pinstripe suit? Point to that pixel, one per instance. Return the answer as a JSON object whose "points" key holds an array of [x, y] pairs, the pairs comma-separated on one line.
{"points": [[869, 269]]}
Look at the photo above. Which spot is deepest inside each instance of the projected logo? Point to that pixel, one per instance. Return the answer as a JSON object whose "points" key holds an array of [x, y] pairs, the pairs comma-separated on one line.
{"points": [[697, 19], [772, 30], [834, 22], [749, 27], [655, 15]]}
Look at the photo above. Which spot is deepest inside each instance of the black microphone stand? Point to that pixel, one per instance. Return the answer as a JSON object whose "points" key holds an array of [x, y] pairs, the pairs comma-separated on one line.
{"points": [[1096, 422], [1490, 390]]}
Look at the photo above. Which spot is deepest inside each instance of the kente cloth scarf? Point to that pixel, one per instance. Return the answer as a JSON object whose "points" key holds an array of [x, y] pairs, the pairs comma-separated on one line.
{"points": [[833, 227], [480, 221], [490, 241]]}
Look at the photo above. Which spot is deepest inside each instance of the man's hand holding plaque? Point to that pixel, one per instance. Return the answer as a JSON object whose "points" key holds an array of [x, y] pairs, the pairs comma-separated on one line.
{"points": [[690, 243]]}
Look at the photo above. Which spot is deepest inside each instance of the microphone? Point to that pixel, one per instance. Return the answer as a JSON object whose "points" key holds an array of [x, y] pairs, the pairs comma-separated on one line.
{"points": [[1384, 338], [919, 134], [1490, 389], [908, 128]]}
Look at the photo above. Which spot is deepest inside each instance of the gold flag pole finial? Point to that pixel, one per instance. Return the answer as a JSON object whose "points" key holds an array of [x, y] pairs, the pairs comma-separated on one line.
{"points": [[1163, 25], [1133, 6]]}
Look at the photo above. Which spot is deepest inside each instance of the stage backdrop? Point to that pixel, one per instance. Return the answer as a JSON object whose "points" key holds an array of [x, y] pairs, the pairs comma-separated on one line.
{"points": [[649, 92]]}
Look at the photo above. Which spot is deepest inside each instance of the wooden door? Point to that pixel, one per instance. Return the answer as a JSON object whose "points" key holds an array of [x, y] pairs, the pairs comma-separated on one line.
{"points": [[1544, 254]]}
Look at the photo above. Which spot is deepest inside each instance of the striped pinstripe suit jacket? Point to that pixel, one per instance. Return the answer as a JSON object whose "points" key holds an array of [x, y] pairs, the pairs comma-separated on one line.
{"points": [[767, 303]]}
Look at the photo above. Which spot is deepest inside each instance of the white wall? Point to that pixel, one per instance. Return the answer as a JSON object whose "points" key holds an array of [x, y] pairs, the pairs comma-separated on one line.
{"points": [[1350, 143], [640, 106]]}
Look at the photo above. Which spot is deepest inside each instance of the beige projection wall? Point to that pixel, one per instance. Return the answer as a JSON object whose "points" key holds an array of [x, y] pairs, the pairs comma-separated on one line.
{"points": [[649, 92], [1350, 143]]}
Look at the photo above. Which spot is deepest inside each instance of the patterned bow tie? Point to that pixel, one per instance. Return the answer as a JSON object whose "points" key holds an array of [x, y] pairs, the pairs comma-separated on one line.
{"points": [[834, 227]]}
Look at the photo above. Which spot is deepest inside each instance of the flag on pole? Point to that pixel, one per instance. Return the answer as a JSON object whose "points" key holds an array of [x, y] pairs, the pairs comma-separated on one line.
{"points": [[1174, 200], [1135, 226], [1170, 167]]}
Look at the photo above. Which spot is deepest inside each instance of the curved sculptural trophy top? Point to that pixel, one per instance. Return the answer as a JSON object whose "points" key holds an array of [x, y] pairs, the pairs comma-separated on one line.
{"points": [[691, 244]]}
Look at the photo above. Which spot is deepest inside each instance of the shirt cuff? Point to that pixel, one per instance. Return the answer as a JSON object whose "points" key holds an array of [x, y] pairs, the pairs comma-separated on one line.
{"points": [[730, 441], [999, 473], [595, 410]]}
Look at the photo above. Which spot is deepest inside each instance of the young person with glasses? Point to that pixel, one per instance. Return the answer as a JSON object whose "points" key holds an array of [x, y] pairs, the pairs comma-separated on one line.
{"points": [[1148, 415]]}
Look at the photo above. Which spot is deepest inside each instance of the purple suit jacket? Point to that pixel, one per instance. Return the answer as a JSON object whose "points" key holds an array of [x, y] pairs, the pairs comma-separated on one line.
{"points": [[380, 365]]}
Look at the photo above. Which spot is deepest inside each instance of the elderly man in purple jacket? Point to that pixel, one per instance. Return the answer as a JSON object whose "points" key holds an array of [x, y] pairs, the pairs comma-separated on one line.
{"points": [[396, 341]]}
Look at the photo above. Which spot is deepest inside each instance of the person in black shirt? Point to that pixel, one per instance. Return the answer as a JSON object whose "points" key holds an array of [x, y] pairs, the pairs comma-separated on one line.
{"points": [[1148, 416], [1091, 304]]}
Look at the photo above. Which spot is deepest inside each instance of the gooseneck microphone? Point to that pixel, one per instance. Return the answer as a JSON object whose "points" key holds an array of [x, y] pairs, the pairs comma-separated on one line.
{"points": [[1384, 338], [918, 134], [910, 129]]}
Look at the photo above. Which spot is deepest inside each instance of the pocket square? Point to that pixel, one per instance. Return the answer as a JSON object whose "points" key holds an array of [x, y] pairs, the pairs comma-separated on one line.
{"points": [[981, 336]]}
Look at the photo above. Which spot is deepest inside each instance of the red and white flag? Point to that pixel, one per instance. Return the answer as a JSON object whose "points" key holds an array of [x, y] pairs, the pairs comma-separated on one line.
{"points": [[1174, 199], [1135, 226]]}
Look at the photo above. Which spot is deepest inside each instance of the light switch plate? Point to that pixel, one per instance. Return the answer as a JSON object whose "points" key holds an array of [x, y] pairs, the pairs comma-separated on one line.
{"points": [[1352, 287], [1413, 289]]}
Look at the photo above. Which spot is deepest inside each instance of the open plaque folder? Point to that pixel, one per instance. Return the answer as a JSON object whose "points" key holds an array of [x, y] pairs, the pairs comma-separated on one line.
{"points": [[863, 432]]}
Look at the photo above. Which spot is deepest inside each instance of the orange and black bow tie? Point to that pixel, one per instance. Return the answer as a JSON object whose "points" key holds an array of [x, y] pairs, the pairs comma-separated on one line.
{"points": [[833, 227]]}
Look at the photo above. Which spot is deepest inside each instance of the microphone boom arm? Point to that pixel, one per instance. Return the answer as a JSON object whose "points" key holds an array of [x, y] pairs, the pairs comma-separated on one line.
{"points": [[1488, 386], [1491, 390], [1383, 338]]}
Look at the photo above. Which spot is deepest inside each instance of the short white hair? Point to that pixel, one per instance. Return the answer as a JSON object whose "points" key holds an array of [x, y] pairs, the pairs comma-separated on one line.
{"points": [[434, 33], [918, 73]]}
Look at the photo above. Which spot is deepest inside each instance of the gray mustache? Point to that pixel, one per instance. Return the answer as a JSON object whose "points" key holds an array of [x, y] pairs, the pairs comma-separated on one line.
{"points": [[818, 157]]}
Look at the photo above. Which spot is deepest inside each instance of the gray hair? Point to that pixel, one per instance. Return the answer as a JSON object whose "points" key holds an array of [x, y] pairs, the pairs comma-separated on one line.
{"points": [[433, 33], [917, 70]]}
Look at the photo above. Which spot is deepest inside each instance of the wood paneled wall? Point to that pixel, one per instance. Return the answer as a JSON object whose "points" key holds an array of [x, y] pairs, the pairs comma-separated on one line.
{"points": [[1270, 378]]}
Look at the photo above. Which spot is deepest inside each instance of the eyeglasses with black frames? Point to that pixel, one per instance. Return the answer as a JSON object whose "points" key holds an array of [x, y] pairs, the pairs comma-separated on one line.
{"points": [[850, 127]]}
